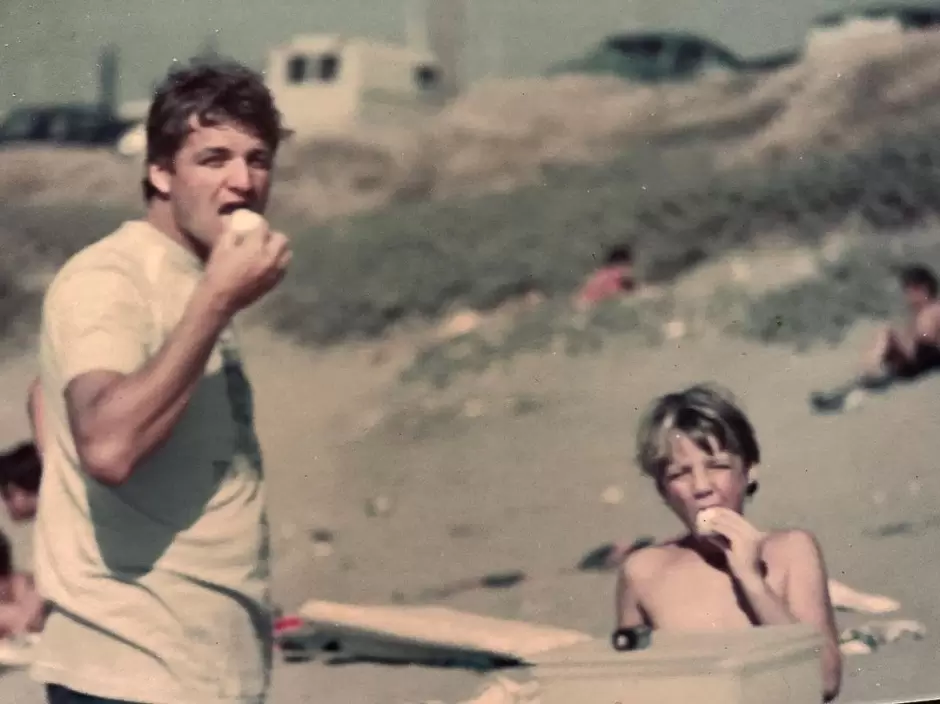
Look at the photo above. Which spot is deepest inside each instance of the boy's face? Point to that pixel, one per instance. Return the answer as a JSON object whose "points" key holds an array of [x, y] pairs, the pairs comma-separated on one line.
{"points": [[695, 479]]}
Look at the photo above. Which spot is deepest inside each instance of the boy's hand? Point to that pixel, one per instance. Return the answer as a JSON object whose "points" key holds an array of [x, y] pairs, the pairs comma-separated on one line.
{"points": [[745, 545]]}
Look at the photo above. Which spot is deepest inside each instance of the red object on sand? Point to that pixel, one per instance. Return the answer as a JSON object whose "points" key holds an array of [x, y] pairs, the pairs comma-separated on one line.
{"points": [[287, 623]]}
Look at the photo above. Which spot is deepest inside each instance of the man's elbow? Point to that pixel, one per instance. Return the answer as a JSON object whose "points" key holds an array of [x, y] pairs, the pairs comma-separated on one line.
{"points": [[106, 458]]}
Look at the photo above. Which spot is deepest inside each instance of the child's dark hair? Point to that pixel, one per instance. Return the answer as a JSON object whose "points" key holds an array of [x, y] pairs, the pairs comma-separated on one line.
{"points": [[703, 412], [919, 276], [6, 556], [21, 467], [619, 254]]}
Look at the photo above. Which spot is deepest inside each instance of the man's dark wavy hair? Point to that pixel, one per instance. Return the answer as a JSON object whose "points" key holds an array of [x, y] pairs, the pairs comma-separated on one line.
{"points": [[214, 92]]}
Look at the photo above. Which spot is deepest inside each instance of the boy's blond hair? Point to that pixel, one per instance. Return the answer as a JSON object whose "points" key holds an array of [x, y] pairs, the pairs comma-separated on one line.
{"points": [[702, 412]]}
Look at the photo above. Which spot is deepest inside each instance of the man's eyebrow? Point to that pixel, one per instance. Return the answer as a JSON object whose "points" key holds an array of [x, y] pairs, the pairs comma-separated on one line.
{"points": [[213, 151]]}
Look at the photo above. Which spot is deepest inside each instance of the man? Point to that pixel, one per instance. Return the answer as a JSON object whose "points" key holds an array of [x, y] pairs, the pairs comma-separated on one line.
{"points": [[899, 352], [151, 537], [699, 448]]}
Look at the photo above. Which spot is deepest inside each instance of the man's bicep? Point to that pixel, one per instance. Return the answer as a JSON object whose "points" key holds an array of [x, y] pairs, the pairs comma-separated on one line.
{"points": [[84, 391], [97, 320]]}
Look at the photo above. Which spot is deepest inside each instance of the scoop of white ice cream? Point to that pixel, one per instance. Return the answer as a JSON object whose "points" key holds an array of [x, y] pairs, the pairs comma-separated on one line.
{"points": [[244, 221], [704, 521]]}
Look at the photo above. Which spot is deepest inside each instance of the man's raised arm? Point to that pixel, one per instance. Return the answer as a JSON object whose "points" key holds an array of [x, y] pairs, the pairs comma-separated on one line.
{"points": [[122, 404]]}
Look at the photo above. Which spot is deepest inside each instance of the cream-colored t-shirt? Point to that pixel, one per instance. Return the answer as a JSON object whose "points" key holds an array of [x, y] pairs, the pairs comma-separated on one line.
{"points": [[159, 586]]}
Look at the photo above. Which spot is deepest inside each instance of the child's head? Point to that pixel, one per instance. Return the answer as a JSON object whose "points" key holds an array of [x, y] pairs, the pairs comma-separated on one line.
{"points": [[699, 448], [620, 255], [20, 475], [919, 285], [6, 557]]}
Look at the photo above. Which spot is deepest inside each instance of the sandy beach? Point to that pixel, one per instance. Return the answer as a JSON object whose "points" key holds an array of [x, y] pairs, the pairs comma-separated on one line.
{"points": [[484, 488]]}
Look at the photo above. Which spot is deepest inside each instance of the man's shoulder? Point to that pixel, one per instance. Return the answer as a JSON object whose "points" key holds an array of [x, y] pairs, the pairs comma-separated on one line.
{"points": [[121, 251]]}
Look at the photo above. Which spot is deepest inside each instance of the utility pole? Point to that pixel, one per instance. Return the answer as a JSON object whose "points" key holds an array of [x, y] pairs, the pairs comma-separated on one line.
{"points": [[447, 37], [108, 79]]}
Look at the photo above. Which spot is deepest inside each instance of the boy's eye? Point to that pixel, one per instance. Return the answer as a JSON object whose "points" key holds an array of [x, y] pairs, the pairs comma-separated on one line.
{"points": [[676, 473]]}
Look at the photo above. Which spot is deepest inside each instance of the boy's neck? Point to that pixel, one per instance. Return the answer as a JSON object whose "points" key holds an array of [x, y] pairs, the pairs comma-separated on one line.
{"points": [[710, 552]]}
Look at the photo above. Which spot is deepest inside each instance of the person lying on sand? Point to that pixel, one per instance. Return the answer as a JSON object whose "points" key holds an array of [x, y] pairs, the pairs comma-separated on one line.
{"points": [[22, 610], [723, 573], [904, 351], [613, 279]]}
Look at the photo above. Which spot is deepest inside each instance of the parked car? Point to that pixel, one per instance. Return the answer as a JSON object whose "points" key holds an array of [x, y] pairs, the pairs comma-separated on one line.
{"points": [[908, 18], [75, 124], [666, 56]]}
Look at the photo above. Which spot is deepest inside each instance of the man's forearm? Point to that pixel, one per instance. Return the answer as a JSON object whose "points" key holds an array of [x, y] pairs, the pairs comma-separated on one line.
{"points": [[136, 414], [766, 606]]}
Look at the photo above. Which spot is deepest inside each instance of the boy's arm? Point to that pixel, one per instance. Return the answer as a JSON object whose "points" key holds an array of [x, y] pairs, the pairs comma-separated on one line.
{"points": [[808, 600], [629, 612]]}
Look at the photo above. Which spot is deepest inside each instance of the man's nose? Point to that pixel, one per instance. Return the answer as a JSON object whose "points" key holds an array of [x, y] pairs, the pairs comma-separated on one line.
{"points": [[238, 176]]}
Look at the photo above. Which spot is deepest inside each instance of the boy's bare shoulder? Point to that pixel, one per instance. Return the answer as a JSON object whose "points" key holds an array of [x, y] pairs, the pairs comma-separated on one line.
{"points": [[791, 543], [646, 563]]}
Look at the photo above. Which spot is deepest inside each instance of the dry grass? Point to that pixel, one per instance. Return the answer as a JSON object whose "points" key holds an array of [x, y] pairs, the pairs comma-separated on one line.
{"points": [[519, 185]]}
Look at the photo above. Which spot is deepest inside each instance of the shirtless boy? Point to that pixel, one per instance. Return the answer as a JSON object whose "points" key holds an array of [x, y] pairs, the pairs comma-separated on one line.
{"points": [[699, 448], [908, 351]]}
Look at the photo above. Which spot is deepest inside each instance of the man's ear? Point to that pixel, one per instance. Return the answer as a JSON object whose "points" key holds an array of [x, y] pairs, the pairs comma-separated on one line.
{"points": [[159, 177]]}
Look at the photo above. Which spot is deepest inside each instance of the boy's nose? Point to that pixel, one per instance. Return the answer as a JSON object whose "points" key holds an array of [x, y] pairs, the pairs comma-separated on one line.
{"points": [[701, 484]]}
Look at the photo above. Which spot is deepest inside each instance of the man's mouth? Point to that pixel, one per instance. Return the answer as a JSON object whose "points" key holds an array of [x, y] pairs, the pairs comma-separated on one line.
{"points": [[230, 208]]}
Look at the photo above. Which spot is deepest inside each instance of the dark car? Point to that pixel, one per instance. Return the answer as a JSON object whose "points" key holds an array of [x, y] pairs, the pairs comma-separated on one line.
{"points": [[911, 18], [666, 56], [86, 125]]}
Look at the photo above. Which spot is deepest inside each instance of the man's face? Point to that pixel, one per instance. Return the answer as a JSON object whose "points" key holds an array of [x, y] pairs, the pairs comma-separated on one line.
{"points": [[217, 170], [21, 504], [695, 479]]}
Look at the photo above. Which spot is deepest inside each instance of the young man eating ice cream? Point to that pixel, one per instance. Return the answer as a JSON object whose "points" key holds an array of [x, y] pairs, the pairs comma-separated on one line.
{"points": [[724, 573]]}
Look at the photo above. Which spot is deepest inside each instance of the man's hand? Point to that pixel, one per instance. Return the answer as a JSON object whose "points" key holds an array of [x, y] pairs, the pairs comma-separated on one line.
{"points": [[244, 266], [745, 544]]}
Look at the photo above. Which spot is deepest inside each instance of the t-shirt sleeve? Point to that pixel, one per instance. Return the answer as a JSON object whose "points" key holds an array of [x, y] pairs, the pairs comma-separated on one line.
{"points": [[97, 319]]}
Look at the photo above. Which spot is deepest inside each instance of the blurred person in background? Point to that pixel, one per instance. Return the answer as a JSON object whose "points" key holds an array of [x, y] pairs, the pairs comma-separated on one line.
{"points": [[20, 476], [613, 279], [908, 350], [899, 352]]}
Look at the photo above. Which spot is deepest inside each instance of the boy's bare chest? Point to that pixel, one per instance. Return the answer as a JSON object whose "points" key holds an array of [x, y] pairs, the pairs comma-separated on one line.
{"points": [[699, 597]]}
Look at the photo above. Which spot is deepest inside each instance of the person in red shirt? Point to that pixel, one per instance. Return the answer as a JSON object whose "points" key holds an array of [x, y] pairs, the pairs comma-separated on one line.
{"points": [[613, 279]]}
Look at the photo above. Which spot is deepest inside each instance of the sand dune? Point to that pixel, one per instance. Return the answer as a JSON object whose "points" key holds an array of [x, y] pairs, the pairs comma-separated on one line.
{"points": [[502, 134]]}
